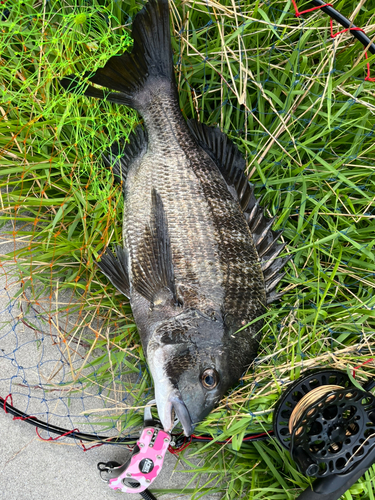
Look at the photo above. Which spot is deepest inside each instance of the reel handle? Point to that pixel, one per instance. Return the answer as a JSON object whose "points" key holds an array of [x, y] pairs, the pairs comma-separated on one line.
{"points": [[333, 487]]}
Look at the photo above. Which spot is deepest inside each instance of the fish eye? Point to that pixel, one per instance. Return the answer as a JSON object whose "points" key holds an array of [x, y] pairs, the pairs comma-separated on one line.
{"points": [[210, 378]]}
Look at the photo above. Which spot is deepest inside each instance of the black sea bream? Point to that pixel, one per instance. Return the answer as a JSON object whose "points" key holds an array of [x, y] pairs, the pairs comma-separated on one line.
{"points": [[199, 260]]}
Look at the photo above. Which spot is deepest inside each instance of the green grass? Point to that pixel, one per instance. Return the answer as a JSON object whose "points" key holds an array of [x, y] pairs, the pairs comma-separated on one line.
{"points": [[299, 109]]}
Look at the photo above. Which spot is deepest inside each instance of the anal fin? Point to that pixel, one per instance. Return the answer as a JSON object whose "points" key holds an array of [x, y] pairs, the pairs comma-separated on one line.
{"points": [[122, 157]]}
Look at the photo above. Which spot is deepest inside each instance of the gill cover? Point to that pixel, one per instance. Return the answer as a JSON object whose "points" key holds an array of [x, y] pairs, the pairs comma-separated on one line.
{"points": [[190, 361]]}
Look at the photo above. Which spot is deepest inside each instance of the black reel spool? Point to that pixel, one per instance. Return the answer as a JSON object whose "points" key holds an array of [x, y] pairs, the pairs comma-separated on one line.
{"points": [[326, 423]]}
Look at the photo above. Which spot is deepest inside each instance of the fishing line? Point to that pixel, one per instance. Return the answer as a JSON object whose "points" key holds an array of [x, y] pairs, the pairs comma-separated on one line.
{"points": [[306, 402]]}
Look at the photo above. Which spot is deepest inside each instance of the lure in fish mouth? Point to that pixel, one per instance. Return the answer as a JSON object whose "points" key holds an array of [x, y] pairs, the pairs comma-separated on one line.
{"points": [[199, 262]]}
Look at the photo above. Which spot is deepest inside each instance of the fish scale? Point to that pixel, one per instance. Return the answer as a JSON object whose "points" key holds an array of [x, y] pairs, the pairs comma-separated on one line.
{"points": [[193, 232], [194, 239]]}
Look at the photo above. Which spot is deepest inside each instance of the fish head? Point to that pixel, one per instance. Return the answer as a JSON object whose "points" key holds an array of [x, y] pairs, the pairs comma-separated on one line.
{"points": [[192, 368]]}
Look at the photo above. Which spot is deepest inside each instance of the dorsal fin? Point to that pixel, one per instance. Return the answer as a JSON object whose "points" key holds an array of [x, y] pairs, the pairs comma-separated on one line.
{"points": [[122, 156], [232, 167], [226, 156], [152, 271]]}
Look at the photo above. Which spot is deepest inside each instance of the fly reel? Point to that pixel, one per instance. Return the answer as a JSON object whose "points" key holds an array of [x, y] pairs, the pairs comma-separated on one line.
{"points": [[326, 423]]}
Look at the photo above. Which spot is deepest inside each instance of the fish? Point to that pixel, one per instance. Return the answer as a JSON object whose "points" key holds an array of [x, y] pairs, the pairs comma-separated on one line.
{"points": [[199, 261]]}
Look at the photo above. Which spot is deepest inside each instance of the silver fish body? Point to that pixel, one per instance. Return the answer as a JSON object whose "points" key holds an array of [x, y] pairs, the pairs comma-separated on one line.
{"points": [[190, 266]]}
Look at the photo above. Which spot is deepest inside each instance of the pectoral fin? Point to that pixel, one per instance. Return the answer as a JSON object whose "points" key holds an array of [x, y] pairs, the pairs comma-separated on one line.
{"points": [[152, 271]]}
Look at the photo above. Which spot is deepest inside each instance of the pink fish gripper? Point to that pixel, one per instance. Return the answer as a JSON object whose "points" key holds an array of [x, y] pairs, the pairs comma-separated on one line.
{"points": [[145, 463]]}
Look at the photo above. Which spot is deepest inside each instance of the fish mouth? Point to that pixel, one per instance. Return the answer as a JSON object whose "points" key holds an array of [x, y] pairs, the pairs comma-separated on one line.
{"points": [[175, 406]]}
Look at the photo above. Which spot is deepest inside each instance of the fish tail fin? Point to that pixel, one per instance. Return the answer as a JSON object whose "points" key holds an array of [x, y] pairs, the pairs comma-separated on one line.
{"points": [[151, 58]]}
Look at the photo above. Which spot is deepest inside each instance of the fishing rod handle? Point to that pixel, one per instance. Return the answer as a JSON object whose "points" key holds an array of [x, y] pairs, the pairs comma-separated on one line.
{"points": [[324, 489], [333, 487]]}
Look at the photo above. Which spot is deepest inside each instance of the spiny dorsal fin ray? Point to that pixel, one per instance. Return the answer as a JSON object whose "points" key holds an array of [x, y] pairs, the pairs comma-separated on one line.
{"points": [[122, 156], [268, 243], [232, 166], [271, 256], [273, 270], [116, 268], [263, 229], [271, 285], [153, 275], [273, 296]]}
